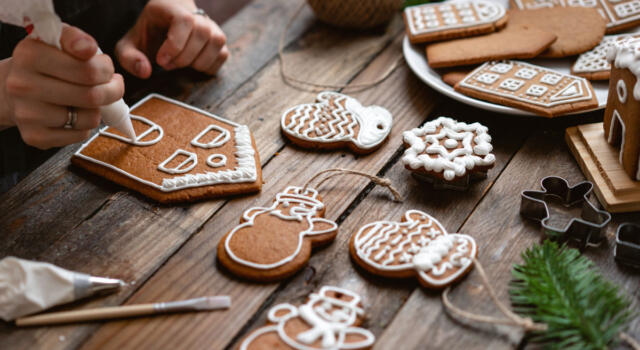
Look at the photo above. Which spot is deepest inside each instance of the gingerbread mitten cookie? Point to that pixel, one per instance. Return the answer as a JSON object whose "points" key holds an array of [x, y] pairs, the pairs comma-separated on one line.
{"points": [[337, 121], [272, 243], [329, 320], [417, 246]]}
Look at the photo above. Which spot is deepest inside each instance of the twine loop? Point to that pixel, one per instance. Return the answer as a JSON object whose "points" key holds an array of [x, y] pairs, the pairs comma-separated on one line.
{"points": [[339, 171]]}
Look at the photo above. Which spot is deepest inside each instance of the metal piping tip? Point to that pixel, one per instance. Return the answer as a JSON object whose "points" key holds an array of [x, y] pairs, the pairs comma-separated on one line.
{"points": [[86, 285]]}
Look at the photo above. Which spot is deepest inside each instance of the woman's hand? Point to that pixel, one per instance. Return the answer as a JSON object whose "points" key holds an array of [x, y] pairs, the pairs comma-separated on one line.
{"points": [[170, 31], [41, 83]]}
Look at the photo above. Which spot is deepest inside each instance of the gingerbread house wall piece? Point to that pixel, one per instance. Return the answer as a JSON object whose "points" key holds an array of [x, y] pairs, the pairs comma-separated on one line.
{"points": [[180, 153], [622, 115]]}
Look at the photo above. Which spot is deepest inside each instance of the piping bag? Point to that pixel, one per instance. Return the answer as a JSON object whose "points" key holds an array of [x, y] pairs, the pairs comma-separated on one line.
{"points": [[39, 18], [28, 286]]}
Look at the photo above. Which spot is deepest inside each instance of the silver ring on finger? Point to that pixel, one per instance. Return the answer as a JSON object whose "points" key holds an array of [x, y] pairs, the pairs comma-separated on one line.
{"points": [[201, 12], [72, 118]]}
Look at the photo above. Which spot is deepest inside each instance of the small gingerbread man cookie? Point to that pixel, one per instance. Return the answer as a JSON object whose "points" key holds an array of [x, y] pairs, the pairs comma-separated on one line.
{"points": [[417, 246], [448, 150], [328, 320], [272, 243], [337, 121]]}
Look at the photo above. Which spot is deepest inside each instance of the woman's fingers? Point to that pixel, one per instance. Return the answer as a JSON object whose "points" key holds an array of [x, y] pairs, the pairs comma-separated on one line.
{"points": [[215, 66], [198, 40], [53, 116], [45, 138]]}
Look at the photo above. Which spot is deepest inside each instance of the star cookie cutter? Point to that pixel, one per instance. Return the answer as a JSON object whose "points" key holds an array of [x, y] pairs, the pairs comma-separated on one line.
{"points": [[586, 229], [627, 250]]}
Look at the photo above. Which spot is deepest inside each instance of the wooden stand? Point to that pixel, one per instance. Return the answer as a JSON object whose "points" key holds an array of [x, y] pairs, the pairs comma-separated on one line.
{"points": [[599, 162]]}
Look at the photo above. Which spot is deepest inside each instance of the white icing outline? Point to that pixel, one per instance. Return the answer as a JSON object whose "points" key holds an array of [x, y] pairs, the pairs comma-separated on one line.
{"points": [[560, 95], [245, 172], [333, 332], [610, 18], [595, 60], [142, 135], [582, 82], [433, 247], [221, 162], [308, 206], [453, 163], [191, 158], [217, 141], [621, 90], [481, 7], [342, 122], [616, 118]]}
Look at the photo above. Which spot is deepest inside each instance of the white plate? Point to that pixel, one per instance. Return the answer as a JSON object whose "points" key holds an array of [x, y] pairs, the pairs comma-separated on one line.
{"points": [[417, 61]]}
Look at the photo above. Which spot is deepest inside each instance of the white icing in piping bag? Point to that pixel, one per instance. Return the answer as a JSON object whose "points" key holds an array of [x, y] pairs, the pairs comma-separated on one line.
{"points": [[39, 17]]}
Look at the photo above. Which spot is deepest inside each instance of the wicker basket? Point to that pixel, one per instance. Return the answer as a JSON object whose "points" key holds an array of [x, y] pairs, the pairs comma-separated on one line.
{"points": [[359, 14]]}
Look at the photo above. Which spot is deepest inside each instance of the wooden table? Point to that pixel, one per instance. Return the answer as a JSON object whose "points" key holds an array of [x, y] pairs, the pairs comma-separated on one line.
{"points": [[63, 215]]}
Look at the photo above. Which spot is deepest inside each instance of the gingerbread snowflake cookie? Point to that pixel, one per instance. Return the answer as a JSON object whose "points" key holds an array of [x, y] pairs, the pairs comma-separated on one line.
{"points": [[448, 152], [440, 21], [329, 320], [593, 64], [181, 153], [529, 87], [417, 246], [272, 243], [337, 121]]}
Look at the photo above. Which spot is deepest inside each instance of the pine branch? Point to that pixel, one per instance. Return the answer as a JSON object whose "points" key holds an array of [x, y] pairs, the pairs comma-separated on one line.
{"points": [[563, 289]]}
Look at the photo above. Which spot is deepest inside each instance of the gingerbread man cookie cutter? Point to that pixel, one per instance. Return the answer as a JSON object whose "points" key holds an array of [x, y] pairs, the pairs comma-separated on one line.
{"points": [[586, 229], [627, 250]]}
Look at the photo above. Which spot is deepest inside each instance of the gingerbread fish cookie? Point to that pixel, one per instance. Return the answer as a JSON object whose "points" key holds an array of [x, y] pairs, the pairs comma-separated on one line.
{"points": [[448, 152], [417, 246], [272, 243], [328, 320], [181, 153], [529, 87], [337, 121], [440, 21]]}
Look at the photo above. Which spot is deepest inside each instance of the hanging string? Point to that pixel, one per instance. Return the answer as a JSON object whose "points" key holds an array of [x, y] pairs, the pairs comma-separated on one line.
{"points": [[338, 171], [316, 87], [513, 320]]}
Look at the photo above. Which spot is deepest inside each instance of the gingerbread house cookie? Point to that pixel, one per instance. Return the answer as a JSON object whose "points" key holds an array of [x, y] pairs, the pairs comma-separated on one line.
{"points": [[440, 21], [417, 246], [593, 64], [181, 153], [622, 115], [337, 121], [329, 320], [619, 14], [533, 88], [272, 243], [450, 151]]}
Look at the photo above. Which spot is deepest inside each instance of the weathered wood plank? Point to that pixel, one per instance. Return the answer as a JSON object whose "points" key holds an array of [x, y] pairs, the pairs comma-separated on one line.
{"points": [[383, 297], [144, 226], [502, 235], [194, 271]]}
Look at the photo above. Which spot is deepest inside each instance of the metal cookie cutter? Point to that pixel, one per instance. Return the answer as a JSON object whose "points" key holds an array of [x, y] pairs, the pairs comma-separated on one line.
{"points": [[586, 229], [627, 250]]}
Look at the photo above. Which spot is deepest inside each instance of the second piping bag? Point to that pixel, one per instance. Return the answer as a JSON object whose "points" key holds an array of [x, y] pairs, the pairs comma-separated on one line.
{"points": [[39, 17]]}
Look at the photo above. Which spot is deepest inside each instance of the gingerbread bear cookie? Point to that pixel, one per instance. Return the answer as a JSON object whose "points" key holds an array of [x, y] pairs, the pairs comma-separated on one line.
{"points": [[181, 153], [417, 246], [529, 87], [328, 320], [447, 150], [337, 121], [433, 22], [273, 243]]}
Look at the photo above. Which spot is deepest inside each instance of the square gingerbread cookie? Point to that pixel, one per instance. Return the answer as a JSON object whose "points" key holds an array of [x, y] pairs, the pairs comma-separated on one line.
{"points": [[181, 153]]}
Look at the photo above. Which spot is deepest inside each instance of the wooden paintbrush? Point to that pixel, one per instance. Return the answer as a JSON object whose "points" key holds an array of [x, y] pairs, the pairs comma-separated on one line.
{"points": [[105, 313]]}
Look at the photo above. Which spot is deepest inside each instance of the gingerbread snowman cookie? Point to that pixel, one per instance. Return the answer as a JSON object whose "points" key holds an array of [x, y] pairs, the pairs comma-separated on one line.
{"points": [[417, 246], [272, 243], [448, 152], [328, 320], [337, 121]]}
